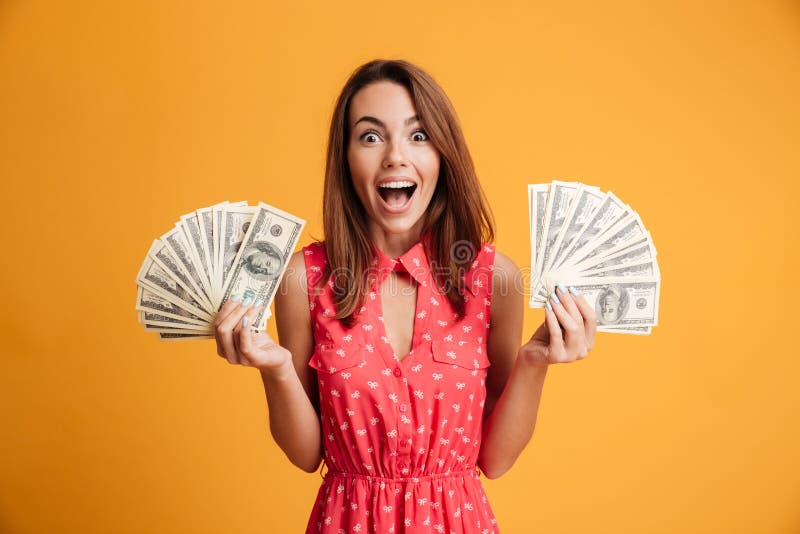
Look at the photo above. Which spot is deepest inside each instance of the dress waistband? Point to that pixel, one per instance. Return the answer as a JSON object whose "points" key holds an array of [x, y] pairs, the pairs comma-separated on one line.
{"points": [[472, 473]]}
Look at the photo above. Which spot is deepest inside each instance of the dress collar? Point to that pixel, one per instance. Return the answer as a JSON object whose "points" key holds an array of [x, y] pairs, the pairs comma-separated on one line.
{"points": [[414, 261]]}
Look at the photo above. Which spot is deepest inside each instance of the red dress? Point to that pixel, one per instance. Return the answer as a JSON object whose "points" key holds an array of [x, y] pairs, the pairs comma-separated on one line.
{"points": [[401, 436]]}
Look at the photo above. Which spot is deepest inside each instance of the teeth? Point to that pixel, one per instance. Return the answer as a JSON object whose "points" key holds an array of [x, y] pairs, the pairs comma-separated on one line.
{"points": [[397, 185]]}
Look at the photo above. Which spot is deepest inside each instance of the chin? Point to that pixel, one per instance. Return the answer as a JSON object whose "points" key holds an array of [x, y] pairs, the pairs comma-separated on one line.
{"points": [[398, 227]]}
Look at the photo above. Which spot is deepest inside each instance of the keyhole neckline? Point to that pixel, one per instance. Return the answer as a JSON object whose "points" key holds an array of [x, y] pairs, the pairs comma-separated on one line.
{"points": [[414, 262]]}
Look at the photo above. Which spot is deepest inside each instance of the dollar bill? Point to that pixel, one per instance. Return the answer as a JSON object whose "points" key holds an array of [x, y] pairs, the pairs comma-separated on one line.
{"points": [[205, 220], [612, 209], [154, 322], [621, 233], [164, 258], [620, 302], [558, 202], [588, 200], [635, 330], [157, 280], [176, 242], [235, 221], [636, 251], [537, 200], [646, 268], [172, 336], [263, 256], [191, 231], [147, 301]]}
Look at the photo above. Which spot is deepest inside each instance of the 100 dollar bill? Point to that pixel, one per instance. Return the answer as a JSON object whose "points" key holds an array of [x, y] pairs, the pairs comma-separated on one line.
{"points": [[619, 302], [262, 258]]}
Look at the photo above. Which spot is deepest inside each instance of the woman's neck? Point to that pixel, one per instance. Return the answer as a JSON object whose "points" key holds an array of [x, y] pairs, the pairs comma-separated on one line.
{"points": [[394, 244]]}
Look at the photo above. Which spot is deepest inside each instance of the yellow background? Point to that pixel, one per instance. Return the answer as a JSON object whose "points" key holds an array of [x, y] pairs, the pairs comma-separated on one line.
{"points": [[116, 118]]}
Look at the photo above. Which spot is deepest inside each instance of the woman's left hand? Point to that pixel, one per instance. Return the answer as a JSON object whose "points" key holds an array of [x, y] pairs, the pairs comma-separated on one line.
{"points": [[567, 333]]}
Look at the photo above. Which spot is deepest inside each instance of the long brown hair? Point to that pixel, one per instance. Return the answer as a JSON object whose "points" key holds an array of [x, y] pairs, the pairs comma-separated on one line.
{"points": [[458, 218]]}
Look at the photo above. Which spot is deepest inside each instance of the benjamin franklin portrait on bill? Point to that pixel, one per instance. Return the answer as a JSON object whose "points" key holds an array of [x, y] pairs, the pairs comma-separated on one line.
{"points": [[612, 304], [262, 261]]}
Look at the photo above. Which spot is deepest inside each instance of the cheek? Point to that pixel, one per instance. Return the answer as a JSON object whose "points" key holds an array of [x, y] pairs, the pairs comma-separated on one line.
{"points": [[427, 164], [357, 171], [352, 162], [360, 178]]}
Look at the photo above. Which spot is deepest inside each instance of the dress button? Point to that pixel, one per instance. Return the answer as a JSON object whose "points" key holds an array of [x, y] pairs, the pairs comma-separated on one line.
{"points": [[403, 407], [397, 371]]}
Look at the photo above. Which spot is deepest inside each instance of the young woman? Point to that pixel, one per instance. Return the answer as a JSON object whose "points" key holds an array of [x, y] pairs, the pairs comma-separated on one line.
{"points": [[399, 363]]}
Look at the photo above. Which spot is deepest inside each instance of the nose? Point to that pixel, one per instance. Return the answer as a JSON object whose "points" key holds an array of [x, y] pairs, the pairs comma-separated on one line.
{"points": [[395, 155]]}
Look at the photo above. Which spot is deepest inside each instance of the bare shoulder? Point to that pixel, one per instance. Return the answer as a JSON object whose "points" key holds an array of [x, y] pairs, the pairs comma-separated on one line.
{"points": [[508, 294], [506, 279], [291, 301], [503, 263], [295, 275]]}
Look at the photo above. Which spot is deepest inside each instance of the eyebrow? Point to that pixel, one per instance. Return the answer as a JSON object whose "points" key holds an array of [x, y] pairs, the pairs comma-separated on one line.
{"points": [[367, 118]]}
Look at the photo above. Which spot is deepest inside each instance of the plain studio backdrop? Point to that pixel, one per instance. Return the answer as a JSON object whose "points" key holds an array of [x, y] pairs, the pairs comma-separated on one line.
{"points": [[116, 118]]}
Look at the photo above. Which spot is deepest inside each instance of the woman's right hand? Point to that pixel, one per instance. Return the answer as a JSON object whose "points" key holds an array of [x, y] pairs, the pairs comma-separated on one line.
{"points": [[237, 343]]}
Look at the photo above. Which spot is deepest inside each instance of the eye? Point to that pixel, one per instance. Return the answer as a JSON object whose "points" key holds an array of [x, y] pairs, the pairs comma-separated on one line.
{"points": [[420, 133], [370, 136]]}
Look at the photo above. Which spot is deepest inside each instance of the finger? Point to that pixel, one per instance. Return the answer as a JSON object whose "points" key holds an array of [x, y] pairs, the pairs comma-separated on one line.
{"points": [[230, 305], [243, 335], [589, 317], [226, 341], [246, 322], [574, 342], [568, 301], [227, 329], [244, 340], [556, 347], [578, 343], [221, 315]]}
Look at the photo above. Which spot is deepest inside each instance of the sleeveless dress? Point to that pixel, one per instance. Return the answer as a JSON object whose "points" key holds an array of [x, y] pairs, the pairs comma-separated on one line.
{"points": [[401, 435]]}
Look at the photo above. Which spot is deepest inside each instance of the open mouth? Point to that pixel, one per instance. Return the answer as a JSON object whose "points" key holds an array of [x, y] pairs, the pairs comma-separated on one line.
{"points": [[397, 194]]}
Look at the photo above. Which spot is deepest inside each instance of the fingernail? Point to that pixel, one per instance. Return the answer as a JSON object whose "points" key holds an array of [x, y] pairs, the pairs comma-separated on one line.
{"points": [[562, 288], [555, 298], [258, 303], [246, 302], [236, 297], [572, 290], [547, 305], [245, 320]]}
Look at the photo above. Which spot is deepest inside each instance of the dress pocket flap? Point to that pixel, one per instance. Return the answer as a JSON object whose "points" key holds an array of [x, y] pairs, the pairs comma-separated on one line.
{"points": [[330, 358], [467, 354]]}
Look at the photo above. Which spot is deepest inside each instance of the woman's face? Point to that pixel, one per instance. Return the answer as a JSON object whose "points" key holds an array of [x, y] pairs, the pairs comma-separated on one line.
{"points": [[393, 164]]}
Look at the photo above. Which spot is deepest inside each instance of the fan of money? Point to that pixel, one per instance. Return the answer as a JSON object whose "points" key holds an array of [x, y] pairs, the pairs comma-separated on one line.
{"points": [[592, 241], [210, 255]]}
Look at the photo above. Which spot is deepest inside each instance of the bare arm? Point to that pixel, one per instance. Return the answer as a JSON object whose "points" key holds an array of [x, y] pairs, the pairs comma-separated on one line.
{"points": [[513, 391], [516, 376], [293, 416], [289, 383]]}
